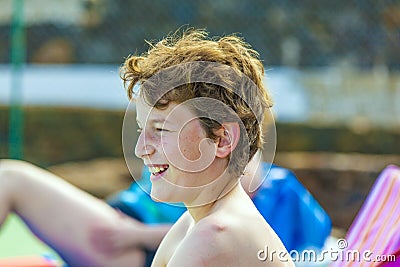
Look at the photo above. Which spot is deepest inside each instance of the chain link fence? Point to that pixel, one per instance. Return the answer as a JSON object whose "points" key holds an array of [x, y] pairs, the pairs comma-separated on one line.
{"points": [[340, 58], [363, 33], [336, 61]]}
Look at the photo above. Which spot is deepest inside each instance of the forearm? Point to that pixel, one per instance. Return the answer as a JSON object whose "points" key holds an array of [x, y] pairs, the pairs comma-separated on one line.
{"points": [[61, 214], [151, 236], [5, 192]]}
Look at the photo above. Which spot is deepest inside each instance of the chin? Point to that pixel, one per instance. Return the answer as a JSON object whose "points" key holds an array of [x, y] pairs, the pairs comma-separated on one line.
{"points": [[160, 194], [154, 198]]}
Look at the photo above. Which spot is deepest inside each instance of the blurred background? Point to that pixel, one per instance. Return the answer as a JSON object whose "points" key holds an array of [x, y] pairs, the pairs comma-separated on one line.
{"points": [[333, 68]]}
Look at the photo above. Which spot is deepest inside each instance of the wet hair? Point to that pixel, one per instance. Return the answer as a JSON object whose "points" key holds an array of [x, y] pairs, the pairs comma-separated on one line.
{"points": [[193, 45]]}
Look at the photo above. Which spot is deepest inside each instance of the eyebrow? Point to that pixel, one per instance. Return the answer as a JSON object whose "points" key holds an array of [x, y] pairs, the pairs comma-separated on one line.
{"points": [[153, 121]]}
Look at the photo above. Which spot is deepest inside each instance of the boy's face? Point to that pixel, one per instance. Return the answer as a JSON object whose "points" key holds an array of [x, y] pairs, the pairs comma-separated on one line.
{"points": [[174, 146]]}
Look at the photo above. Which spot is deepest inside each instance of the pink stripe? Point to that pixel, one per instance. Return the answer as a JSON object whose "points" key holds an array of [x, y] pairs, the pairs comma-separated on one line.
{"points": [[394, 241], [375, 199], [371, 213], [384, 236], [387, 221], [391, 222], [376, 219], [376, 241]]}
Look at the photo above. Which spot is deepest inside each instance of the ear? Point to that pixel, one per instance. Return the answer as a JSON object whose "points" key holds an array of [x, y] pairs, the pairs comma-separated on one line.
{"points": [[228, 138]]}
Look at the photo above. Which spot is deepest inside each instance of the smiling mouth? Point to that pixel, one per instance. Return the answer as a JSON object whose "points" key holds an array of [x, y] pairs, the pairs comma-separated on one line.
{"points": [[157, 170]]}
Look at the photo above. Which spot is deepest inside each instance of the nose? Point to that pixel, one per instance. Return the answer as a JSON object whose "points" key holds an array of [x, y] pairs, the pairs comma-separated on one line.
{"points": [[144, 146]]}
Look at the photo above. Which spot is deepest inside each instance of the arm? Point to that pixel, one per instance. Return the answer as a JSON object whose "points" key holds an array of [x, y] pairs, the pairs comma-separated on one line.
{"points": [[60, 214], [151, 235], [130, 233]]}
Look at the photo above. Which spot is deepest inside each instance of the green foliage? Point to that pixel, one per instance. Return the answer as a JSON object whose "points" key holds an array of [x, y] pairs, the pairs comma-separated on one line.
{"points": [[56, 135], [300, 137]]}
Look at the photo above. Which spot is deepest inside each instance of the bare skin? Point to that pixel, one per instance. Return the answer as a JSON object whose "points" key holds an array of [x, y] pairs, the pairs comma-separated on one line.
{"points": [[125, 236], [86, 231], [222, 227], [96, 234], [70, 220], [130, 234], [226, 236], [95, 230]]}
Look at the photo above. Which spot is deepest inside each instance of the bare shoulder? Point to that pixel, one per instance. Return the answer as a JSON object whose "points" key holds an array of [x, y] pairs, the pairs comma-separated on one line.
{"points": [[223, 240], [171, 240]]}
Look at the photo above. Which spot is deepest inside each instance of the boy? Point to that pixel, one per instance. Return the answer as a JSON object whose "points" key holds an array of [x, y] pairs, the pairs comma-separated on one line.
{"points": [[197, 150], [196, 154]]}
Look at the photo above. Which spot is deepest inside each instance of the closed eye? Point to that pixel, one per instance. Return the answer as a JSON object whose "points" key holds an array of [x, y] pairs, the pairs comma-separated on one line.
{"points": [[161, 130]]}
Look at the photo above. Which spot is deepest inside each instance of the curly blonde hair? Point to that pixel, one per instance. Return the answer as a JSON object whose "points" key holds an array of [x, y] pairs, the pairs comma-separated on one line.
{"points": [[195, 46]]}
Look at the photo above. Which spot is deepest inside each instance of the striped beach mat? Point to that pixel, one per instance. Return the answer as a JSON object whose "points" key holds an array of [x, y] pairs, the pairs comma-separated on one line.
{"points": [[29, 261], [373, 238], [394, 263]]}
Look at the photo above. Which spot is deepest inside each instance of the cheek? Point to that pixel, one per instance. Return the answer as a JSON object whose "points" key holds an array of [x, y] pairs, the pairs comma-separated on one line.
{"points": [[168, 145], [181, 147], [187, 149], [189, 142]]}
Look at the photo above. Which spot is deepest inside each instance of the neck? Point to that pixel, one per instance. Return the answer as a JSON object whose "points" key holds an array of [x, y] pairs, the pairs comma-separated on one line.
{"points": [[198, 212]]}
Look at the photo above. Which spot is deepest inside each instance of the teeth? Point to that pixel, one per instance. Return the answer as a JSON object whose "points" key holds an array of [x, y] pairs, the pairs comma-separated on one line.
{"points": [[156, 169]]}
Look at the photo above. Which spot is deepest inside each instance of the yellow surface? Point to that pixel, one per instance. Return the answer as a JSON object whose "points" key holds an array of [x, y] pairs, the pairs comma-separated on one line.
{"points": [[17, 240]]}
